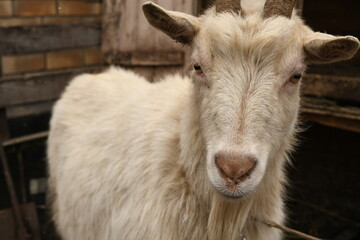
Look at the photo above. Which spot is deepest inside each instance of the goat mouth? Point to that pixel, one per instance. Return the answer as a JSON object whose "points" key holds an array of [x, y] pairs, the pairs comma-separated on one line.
{"points": [[232, 195]]}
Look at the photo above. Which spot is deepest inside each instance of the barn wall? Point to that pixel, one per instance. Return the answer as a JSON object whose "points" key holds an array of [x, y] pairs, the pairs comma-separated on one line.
{"points": [[131, 42], [42, 45]]}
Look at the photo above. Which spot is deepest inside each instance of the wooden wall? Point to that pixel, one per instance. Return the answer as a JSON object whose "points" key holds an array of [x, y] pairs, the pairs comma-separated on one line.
{"points": [[334, 89], [42, 45], [130, 41]]}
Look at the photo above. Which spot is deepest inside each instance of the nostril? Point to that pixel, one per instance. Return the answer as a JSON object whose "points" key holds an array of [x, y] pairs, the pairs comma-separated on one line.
{"points": [[235, 168]]}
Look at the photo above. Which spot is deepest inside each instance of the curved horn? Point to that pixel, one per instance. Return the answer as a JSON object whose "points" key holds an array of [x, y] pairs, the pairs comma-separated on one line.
{"points": [[278, 8], [228, 5]]}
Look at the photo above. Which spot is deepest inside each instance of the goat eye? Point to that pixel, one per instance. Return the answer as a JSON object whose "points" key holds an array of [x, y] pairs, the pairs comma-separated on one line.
{"points": [[198, 69], [295, 78]]}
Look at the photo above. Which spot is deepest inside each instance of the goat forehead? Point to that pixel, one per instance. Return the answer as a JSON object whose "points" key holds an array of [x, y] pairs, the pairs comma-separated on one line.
{"points": [[229, 34]]}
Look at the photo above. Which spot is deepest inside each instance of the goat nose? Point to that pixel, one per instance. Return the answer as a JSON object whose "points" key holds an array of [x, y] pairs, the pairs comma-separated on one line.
{"points": [[235, 168]]}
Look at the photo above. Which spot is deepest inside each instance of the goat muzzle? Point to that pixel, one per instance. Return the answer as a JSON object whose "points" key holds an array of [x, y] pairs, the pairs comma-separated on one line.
{"points": [[235, 168]]}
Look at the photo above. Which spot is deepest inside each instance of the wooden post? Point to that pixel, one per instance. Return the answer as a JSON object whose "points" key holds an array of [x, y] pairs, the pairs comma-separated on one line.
{"points": [[299, 6], [4, 130], [21, 231]]}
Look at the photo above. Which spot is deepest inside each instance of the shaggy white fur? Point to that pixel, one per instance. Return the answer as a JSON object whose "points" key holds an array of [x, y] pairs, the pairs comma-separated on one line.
{"points": [[134, 160]]}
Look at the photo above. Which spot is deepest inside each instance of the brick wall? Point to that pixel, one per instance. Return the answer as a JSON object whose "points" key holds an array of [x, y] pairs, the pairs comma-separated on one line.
{"points": [[38, 12], [43, 44]]}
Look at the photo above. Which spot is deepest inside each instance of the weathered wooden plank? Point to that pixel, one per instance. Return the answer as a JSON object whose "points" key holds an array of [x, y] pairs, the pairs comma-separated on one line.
{"points": [[32, 90], [111, 23], [329, 108], [344, 69], [24, 139], [37, 87], [31, 39], [161, 58], [299, 5], [330, 114], [331, 121], [29, 109], [345, 88], [126, 30]]}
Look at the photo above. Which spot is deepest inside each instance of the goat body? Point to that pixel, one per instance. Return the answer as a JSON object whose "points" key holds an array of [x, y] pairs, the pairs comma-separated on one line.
{"points": [[187, 158]]}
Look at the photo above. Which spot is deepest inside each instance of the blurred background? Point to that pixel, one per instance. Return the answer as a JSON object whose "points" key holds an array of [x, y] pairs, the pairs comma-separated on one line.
{"points": [[44, 43]]}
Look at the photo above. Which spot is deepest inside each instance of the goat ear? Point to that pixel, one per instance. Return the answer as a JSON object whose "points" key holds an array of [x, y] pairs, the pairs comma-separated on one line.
{"points": [[325, 48], [179, 26]]}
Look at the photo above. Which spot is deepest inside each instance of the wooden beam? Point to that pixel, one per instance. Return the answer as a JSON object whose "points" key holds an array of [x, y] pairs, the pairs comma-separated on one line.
{"points": [[299, 6], [344, 88], [33, 39], [331, 121], [329, 108], [24, 139], [328, 113], [32, 88], [29, 109]]}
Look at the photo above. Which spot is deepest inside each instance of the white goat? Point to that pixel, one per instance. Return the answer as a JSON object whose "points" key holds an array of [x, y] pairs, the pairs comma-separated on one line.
{"points": [[188, 159]]}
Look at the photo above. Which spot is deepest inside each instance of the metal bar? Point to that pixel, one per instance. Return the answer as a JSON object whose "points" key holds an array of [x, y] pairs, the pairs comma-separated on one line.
{"points": [[26, 138], [22, 234]]}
